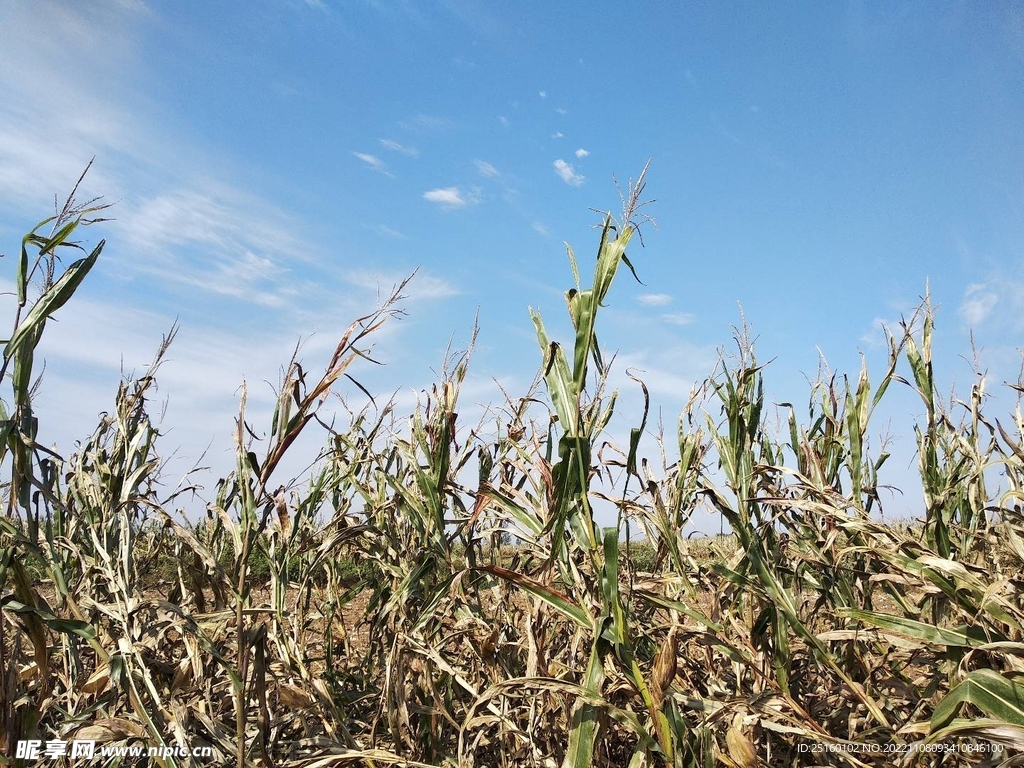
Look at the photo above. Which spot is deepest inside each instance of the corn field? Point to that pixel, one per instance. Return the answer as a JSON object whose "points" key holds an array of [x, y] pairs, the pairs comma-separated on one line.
{"points": [[443, 594]]}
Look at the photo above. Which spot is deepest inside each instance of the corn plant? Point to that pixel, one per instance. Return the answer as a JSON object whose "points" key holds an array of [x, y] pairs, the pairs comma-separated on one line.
{"points": [[437, 593]]}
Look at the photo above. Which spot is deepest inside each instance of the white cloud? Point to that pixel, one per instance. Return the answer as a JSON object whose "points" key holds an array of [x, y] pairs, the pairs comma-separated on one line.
{"points": [[581, 153], [131, 338], [200, 378], [503, 119], [670, 372], [485, 169], [220, 240], [425, 124], [876, 336], [568, 174], [389, 232], [374, 162], [34, 165], [979, 301], [219, 217], [543, 94], [678, 318], [394, 146], [540, 229], [557, 135], [450, 198], [654, 299], [248, 277], [233, 264], [174, 218], [422, 286], [561, 111], [52, 123], [284, 89]]}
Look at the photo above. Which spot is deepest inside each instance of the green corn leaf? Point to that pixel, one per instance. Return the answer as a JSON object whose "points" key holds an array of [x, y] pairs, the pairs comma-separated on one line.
{"points": [[674, 605], [59, 238], [558, 378], [573, 265], [983, 729], [637, 432], [52, 300], [67, 626], [628, 263], [617, 632], [557, 600], [522, 515], [608, 257], [957, 637], [585, 312], [22, 276], [997, 696], [584, 725]]}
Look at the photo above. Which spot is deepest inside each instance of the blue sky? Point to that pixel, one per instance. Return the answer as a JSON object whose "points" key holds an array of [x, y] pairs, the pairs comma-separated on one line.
{"points": [[818, 164]]}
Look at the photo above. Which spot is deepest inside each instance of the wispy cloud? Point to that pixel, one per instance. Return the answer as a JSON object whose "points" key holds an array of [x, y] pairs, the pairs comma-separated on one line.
{"points": [[480, 18], [557, 135], [231, 262], [204, 369], [670, 372], [503, 120], [34, 163], [540, 229], [175, 219], [654, 299], [877, 334], [389, 232], [217, 217], [450, 198], [425, 124], [883, 326], [678, 318], [374, 162], [224, 280], [581, 153], [219, 240], [52, 123], [200, 378], [394, 146], [561, 111], [979, 301], [423, 285], [485, 168], [568, 174], [284, 89], [542, 94]]}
